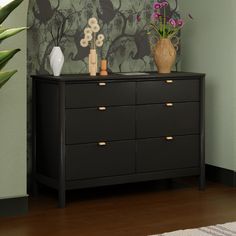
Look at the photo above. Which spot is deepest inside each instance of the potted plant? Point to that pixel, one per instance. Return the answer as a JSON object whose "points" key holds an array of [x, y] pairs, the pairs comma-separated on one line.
{"points": [[5, 33], [163, 27]]}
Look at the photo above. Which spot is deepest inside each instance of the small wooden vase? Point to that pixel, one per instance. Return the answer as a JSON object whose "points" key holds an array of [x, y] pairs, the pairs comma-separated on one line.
{"points": [[103, 71], [165, 55], [93, 62]]}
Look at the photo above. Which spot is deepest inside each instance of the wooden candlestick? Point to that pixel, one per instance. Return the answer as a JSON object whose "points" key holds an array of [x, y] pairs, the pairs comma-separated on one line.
{"points": [[103, 68]]}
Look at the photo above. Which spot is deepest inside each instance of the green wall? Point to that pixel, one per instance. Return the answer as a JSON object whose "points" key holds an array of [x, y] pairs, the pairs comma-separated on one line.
{"points": [[209, 45], [13, 115]]}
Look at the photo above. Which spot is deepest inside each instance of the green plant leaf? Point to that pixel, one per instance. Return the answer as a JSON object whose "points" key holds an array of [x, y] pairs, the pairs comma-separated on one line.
{"points": [[2, 29], [5, 76], [6, 55], [7, 9], [10, 32]]}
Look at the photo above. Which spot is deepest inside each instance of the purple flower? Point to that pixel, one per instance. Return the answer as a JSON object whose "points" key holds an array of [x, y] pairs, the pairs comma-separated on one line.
{"points": [[164, 4], [180, 22], [172, 22], [157, 5], [156, 15]]}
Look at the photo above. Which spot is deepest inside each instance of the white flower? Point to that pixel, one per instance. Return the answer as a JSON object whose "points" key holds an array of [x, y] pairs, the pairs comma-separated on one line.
{"points": [[92, 21], [84, 43], [88, 30], [88, 37], [101, 37], [99, 43], [95, 28]]}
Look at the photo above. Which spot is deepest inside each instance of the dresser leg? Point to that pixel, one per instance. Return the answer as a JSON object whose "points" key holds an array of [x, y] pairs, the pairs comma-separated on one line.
{"points": [[62, 198], [62, 118], [202, 182]]}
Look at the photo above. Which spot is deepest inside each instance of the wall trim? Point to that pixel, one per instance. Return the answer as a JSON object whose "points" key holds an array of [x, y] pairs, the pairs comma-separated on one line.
{"points": [[218, 174], [10, 207]]}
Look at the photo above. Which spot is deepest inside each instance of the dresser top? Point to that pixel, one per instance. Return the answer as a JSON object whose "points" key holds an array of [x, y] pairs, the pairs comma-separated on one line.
{"points": [[119, 76]]}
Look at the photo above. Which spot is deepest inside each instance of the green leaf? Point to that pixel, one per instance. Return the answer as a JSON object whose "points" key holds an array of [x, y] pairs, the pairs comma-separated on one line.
{"points": [[7, 9], [6, 33], [2, 29], [5, 76], [6, 55]]}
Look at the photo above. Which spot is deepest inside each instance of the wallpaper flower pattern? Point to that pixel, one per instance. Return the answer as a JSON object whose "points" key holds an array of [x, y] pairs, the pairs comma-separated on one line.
{"points": [[126, 45]]}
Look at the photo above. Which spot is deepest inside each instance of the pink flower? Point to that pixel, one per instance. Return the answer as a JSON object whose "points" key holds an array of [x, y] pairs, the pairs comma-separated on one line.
{"points": [[156, 15], [164, 4], [157, 5], [172, 22], [180, 22]]}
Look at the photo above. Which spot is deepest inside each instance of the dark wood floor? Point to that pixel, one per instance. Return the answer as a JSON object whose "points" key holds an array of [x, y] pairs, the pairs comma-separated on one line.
{"points": [[139, 209]]}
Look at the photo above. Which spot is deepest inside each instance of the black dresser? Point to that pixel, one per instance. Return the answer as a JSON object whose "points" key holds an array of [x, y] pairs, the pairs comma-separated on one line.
{"points": [[96, 131]]}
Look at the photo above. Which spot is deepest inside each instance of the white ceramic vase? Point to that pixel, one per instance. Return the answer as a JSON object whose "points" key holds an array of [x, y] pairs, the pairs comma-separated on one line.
{"points": [[56, 60]]}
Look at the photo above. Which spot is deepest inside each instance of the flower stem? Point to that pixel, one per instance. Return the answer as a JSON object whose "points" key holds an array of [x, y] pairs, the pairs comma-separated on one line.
{"points": [[94, 41], [164, 28], [154, 27], [161, 24]]}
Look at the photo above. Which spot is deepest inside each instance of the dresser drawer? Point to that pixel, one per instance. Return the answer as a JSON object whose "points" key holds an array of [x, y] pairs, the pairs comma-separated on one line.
{"points": [[158, 120], [102, 123], [100, 94], [161, 154], [167, 91], [93, 160]]}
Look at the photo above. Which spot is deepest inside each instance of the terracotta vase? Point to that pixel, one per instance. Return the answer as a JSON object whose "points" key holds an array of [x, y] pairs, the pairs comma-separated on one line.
{"points": [[165, 55], [103, 71], [93, 62]]}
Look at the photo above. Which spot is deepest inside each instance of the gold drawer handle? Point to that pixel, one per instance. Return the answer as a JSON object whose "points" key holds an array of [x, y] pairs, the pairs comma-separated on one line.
{"points": [[169, 104], [102, 144], [102, 108], [102, 84], [169, 81], [169, 138]]}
